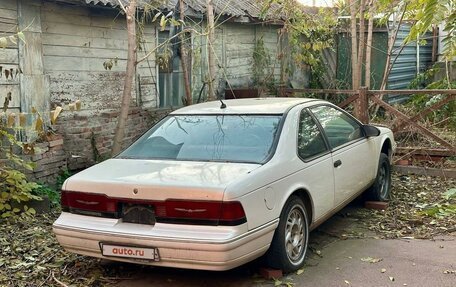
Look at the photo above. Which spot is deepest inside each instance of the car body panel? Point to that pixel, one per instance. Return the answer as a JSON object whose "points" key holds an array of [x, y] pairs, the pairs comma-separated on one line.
{"points": [[185, 246], [357, 170], [262, 189], [158, 179]]}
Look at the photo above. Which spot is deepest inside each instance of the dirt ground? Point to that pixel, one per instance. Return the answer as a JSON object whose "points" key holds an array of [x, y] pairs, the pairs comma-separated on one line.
{"points": [[333, 261], [411, 243]]}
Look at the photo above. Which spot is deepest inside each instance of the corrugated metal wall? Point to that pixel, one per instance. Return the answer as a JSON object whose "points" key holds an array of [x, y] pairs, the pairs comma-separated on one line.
{"points": [[408, 63], [378, 59], [405, 68]]}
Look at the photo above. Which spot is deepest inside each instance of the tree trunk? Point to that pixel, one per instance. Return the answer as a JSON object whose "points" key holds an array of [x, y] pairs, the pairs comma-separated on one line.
{"points": [[354, 44], [210, 50], [392, 39], [370, 27], [361, 43], [184, 59], [128, 82]]}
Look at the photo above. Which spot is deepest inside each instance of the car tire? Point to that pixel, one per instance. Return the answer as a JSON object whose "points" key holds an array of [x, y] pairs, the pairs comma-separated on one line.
{"points": [[380, 190], [289, 244]]}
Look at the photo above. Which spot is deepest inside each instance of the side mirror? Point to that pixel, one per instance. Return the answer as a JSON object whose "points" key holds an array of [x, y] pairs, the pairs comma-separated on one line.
{"points": [[371, 131]]}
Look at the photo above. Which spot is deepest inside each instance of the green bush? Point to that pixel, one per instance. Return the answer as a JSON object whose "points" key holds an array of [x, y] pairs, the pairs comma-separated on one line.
{"points": [[14, 186], [43, 190]]}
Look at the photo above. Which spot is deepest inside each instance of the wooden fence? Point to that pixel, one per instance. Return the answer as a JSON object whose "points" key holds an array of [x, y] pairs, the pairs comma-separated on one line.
{"points": [[363, 98]]}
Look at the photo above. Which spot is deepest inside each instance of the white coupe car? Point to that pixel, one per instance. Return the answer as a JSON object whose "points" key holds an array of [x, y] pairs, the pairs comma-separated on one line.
{"points": [[213, 186]]}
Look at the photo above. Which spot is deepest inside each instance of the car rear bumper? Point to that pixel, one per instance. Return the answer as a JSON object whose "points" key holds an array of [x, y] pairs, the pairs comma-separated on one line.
{"points": [[181, 246]]}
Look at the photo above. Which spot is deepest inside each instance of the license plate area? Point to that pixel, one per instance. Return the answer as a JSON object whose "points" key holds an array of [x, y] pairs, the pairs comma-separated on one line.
{"points": [[138, 213], [126, 251]]}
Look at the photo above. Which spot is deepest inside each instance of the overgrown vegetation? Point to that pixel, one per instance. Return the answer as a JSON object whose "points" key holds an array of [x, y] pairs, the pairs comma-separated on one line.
{"points": [[14, 186], [262, 71], [427, 80], [420, 207], [308, 33]]}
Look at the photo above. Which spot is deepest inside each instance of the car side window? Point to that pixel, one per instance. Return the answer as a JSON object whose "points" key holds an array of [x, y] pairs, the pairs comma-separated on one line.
{"points": [[338, 127], [310, 139]]}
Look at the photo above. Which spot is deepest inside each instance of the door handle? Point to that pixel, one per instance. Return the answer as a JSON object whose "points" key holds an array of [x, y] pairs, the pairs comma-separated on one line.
{"points": [[337, 163]]}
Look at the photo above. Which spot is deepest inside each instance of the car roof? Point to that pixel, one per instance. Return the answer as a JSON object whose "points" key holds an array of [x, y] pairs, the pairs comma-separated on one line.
{"points": [[244, 106]]}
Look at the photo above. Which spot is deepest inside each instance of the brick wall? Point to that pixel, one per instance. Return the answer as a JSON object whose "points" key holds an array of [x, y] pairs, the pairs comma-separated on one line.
{"points": [[88, 137], [49, 159]]}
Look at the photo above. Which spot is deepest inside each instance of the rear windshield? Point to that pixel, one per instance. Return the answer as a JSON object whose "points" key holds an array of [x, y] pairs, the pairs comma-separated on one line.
{"points": [[230, 138]]}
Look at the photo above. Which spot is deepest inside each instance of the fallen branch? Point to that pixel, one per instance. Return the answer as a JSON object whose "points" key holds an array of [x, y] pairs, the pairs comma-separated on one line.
{"points": [[58, 281]]}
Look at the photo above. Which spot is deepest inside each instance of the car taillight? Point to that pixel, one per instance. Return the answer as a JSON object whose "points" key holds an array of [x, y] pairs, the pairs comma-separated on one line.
{"points": [[201, 212], [88, 203], [168, 211]]}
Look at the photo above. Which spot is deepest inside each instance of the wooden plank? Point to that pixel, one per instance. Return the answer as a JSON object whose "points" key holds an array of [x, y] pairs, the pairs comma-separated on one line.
{"points": [[108, 43], [234, 53], [80, 41], [60, 63], [84, 52], [8, 14], [8, 4], [446, 173], [425, 112], [348, 101], [378, 92], [324, 91], [64, 17], [412, 92], [423, 130], [35, 92], [424, 151], [32, 54], [50, 8], [107, 20], [7, 29], [363, 107], [239, 62], [9, 56], [242, 40], [84, 31], [15, 94]]}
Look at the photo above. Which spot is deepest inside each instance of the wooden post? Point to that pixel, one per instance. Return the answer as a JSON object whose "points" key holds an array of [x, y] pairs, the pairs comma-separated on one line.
{"points": [[354, 45], [363, 105], [210, 51], [184, 58], [130, 11], [33, 82]]}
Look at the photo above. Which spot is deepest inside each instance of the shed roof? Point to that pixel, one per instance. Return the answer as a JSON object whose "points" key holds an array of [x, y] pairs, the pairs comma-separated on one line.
{"points": [[231, 8]]}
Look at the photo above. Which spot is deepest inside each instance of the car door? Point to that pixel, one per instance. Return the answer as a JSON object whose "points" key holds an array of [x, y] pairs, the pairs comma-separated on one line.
{"points": [[350, 149], [317, 172]]}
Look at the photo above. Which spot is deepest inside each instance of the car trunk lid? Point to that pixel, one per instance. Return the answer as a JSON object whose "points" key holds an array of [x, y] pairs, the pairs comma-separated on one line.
{"points": [[158, 179]]}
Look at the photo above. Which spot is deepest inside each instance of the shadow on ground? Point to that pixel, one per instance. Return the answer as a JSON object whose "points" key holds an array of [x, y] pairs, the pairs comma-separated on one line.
{"points": [[341, 226]]}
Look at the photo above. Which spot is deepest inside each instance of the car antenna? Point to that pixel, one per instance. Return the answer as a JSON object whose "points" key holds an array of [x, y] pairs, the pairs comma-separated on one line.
{"points": [[223, 104]]}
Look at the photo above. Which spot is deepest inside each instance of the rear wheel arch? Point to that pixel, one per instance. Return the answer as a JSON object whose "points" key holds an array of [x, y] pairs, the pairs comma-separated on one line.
{"points": [[387, 148], [304, 195]]}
